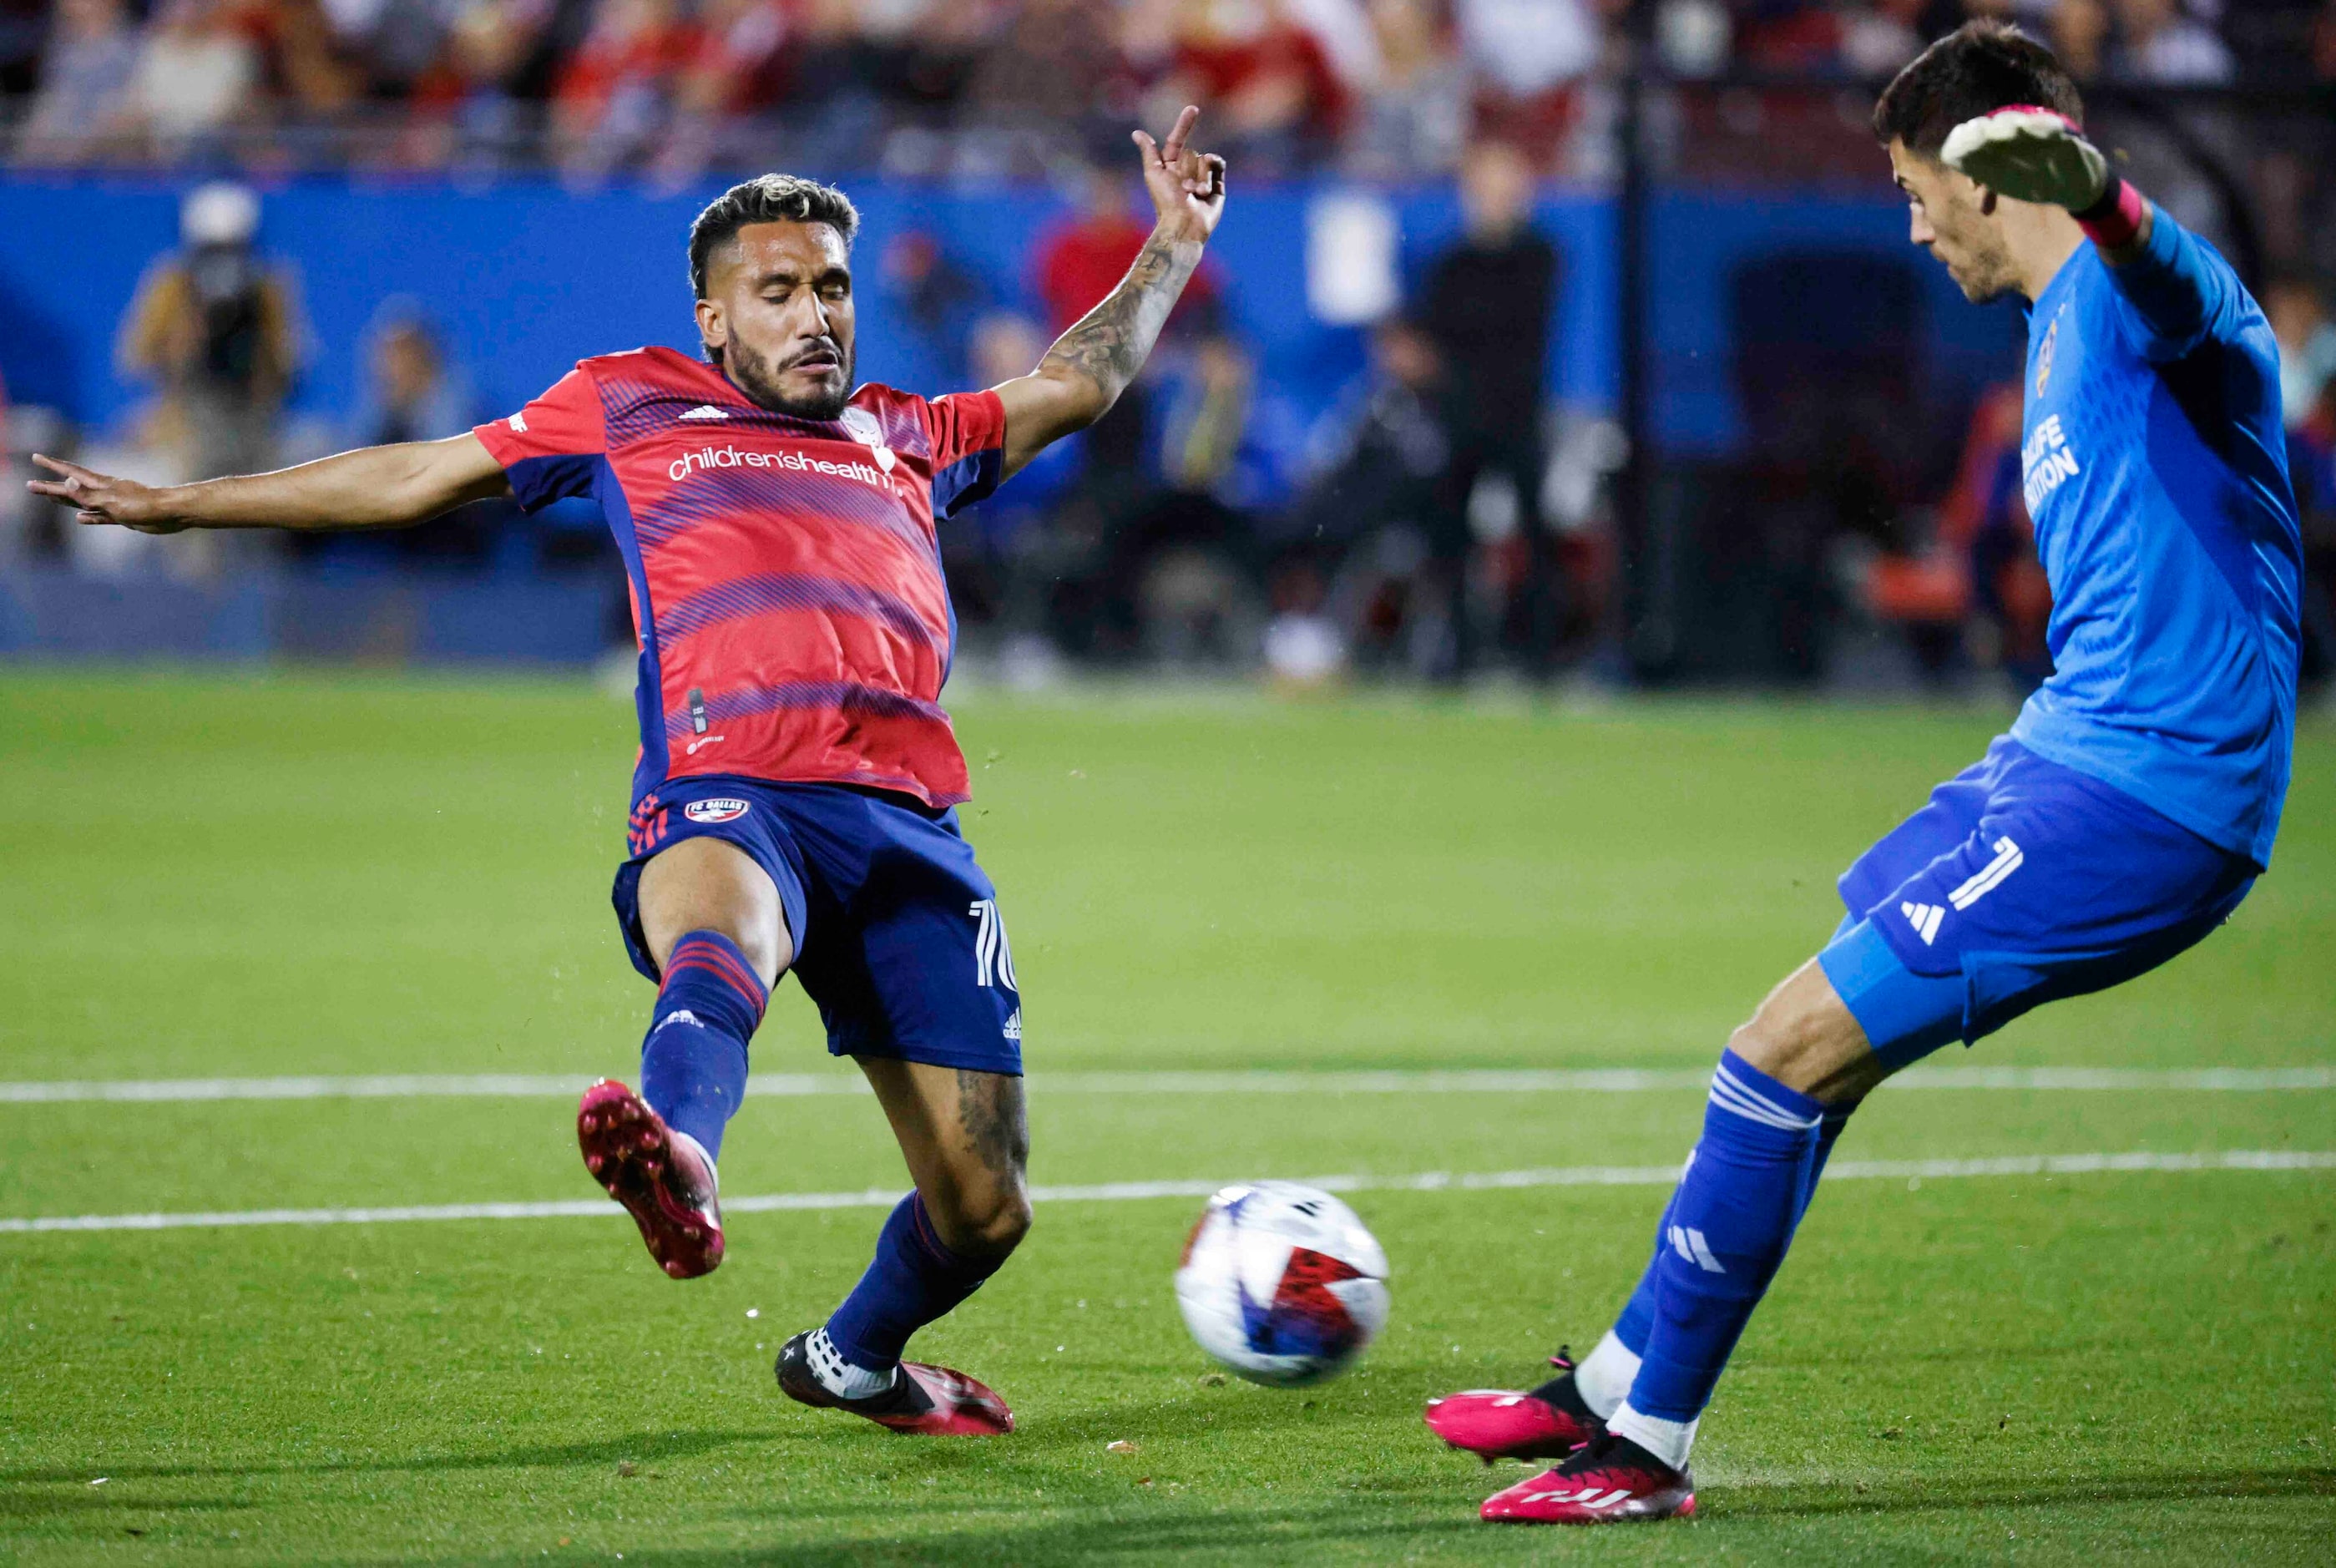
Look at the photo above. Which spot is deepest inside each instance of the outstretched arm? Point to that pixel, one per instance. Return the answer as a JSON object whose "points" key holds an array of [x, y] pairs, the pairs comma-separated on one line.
{"points": [[2178, 288], [373, 487], [1092, 363]]}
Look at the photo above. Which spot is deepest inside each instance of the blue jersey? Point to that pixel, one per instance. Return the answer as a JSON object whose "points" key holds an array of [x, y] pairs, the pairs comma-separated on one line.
{"points": [[2155, 466]]}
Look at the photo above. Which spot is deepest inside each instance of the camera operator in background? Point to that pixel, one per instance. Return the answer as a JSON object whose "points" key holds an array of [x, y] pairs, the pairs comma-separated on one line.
{"points": [[219, 332]]}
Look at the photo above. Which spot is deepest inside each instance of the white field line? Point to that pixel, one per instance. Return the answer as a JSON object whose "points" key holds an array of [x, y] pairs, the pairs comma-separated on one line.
{"points": [[1611, 1081], [1123, 1192]]}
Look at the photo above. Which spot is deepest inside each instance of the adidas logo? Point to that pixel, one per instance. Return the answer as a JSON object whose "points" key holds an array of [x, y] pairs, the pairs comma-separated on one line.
{"points": [[704, 410], [1924, 918], [1689, 1244], [1014, 1026]]}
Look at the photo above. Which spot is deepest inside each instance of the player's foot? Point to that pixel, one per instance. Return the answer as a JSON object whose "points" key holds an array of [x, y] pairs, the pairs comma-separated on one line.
{"points": [[662, 1177], [1607, 1482], [1548, 1422], [931, 1402]]}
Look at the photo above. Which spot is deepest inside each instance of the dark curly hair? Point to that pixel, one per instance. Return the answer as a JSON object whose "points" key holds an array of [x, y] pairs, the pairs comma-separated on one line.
{"points": [[766, 199], [1975, 70]]}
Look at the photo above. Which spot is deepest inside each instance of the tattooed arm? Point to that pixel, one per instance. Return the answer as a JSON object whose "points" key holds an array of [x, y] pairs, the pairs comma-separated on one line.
{"points": [[1092, 363]]}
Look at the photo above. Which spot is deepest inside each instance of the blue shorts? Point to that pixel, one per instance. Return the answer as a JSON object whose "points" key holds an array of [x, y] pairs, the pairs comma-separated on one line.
{"points": [[896, 930], [2021, 882]]}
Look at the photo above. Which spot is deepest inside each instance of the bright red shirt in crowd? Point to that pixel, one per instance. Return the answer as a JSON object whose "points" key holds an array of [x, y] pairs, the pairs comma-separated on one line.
{"points": [[785, 574]]}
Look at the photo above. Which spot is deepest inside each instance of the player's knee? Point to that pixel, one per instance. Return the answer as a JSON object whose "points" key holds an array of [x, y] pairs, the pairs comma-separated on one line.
{"points": [[1805, 1039], [988, 1220]]}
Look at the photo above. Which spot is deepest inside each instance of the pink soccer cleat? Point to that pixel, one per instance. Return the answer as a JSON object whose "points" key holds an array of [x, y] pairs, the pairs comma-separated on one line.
{"points": [[1610, 1482], [662, 1178], [923, 1400], [1549, 1423]]}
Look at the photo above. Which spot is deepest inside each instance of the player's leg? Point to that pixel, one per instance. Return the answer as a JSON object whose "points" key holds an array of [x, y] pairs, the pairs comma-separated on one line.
{"points": [[918, 987], [1725, 1232], [1572, 1408], [1955, 950], [966, 1138], [705, 916]]}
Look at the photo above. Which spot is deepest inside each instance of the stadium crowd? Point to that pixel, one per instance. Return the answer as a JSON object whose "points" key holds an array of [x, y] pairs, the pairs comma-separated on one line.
{"points": [[676, 86], [1429, 517]]}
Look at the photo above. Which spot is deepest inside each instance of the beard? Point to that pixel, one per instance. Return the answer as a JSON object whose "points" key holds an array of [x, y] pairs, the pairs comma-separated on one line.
{"points": [[758, 378]]}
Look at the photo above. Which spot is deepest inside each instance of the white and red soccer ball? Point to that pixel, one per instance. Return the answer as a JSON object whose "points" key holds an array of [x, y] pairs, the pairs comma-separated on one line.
{"points": [[1282, 1283]]}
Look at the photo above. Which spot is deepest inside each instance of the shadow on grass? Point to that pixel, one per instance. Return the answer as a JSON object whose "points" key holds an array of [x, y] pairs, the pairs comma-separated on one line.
{"points": [[1369, 1529], [1790, 1500], [642, 1447]]}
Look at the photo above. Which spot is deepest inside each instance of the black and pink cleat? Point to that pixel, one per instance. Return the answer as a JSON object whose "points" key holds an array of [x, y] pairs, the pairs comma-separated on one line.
{"points": [[1548, 1422], [662, 1178], [923, 1400], [1610, 1481]]}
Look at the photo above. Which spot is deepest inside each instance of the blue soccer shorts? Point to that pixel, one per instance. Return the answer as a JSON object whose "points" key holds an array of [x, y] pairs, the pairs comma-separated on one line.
{"points": [[896, 930], [2020, 882]]}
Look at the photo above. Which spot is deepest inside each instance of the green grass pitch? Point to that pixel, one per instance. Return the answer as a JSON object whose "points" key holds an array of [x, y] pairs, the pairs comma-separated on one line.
{"points": [[251, 875]]}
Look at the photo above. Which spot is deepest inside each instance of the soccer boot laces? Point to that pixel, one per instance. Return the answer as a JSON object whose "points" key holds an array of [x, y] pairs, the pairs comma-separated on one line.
{"points": [[1544, 1423], [923, 1400], [663, 1178], [1609, 1481]]}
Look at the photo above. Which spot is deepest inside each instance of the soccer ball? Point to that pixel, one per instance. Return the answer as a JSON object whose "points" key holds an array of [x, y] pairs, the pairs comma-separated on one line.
{"points": [[1282, 1283]]}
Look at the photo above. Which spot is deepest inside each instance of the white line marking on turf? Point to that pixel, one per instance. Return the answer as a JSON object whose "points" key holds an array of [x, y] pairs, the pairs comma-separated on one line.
{"points": [[1123, 1192], [1610, 1081]]}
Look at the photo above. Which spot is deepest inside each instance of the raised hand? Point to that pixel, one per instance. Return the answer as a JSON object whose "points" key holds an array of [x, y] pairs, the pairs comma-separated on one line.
{"points": [[1188, 188], [2030, 155], [98, 498]]}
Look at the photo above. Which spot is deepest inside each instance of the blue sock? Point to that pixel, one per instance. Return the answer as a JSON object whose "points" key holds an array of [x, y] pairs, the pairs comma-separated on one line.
{"points": [[911, 1281], [1638, 1312], [694, 1062], [1724, 1235]]}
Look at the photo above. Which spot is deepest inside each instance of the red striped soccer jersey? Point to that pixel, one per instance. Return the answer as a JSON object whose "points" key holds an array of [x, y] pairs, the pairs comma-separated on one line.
{"points": [[786, 575]]}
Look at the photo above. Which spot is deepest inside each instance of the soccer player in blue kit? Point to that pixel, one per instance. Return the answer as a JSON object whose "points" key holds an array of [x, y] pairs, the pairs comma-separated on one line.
{"points": [[2122, 819]]}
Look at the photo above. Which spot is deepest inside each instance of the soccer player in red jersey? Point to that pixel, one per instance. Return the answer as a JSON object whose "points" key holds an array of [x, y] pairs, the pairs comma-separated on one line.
{"points": [[794, 800]]}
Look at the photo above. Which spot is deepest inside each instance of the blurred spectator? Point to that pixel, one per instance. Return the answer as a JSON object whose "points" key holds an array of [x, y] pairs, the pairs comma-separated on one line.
{"points": [[733, 69], [1048, 63], [2079, 32], [2307, 374], [467, 108], [198, 73], [612, 94], [1415, 110], [2156, 42], [1527, 56], [1879, 38], [1354, 539], [1177, 586], [2298, 313], [1267, 81], [1974, 587], [1487, 302], [220, 335], [411, 393], [92, 54], [940, 299]]}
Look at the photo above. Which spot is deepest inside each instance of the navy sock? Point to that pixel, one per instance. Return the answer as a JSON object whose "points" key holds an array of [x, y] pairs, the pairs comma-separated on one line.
{"points": [[1724, 1235], [694, 1061], [913, 1279], [1638, 1312]]}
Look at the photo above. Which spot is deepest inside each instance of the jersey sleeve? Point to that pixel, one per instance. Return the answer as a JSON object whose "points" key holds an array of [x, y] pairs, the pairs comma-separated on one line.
{"points": [[968, 431], [551, 449], [2177, 292]]}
